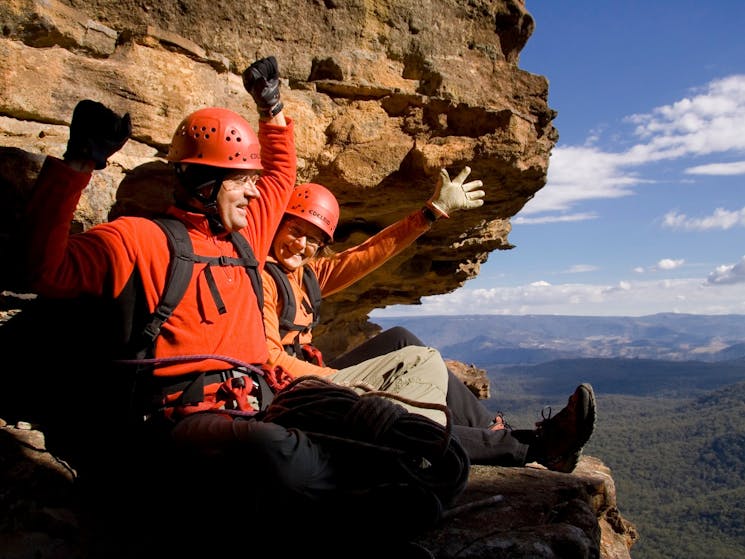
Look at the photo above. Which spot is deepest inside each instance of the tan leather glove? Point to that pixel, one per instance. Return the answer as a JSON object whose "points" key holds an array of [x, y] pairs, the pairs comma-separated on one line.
{"points": [[456, 194]]}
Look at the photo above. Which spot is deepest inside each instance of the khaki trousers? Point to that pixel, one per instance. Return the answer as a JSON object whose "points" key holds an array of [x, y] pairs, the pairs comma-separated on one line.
{"points": [[413, 372]]}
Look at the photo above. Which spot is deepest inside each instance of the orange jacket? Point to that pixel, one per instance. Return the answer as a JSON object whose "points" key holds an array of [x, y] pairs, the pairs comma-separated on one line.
{"points": [[101, 260], [335, 273]]}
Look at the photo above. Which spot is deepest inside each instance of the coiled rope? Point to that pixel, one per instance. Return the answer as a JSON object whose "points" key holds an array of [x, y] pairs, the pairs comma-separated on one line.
{"points": [[417, 449]]}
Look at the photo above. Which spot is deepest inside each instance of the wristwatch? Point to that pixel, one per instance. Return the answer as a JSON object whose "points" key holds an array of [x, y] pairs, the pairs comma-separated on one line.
{"points": [[429, 214]]}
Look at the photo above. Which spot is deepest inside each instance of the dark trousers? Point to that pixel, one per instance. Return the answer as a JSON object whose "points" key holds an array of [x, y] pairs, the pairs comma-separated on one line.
{"points": [[471, 420]]}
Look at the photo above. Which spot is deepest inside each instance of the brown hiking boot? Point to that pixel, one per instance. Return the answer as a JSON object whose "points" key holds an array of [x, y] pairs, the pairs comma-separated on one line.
{"points": [[560, 439]]}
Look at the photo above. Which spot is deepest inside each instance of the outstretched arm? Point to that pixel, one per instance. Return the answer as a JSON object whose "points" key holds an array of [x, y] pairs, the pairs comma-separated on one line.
{"points": [[344, 268]]}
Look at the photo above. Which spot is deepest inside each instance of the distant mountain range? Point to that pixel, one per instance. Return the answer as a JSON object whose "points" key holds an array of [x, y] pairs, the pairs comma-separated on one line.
{"points": [[488, 340], [670, 390]]}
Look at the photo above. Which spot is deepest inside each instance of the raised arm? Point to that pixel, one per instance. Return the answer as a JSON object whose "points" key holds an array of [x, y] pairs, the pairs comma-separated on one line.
{"points": [[96, 132], [278, 154]]}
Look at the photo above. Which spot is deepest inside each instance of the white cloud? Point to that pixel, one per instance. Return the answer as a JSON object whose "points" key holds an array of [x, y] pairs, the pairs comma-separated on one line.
{"points": [[557, 218], [581, 268], [670, 263], [718, 169], [626, 298], [580, 173], [729, 274], [665, 264], [712, 121], [720, 219]]}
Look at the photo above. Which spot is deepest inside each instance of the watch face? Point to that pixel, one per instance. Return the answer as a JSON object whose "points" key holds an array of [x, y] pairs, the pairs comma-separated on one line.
{"points": [[429, 214]]}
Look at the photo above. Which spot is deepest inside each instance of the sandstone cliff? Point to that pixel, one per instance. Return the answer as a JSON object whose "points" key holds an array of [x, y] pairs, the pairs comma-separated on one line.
{"points": [[383, 94]]}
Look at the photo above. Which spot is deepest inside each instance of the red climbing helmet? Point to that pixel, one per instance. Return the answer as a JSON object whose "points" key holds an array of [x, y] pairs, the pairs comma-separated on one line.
{"points": [[315, 204], [217, 137]]}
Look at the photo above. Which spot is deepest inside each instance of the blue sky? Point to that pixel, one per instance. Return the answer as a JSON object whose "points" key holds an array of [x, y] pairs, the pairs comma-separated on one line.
{"points": [[644, 208]]}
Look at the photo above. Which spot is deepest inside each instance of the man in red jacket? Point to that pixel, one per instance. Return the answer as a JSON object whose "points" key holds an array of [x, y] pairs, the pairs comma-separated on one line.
{"points": [[229, 180], [200, 462]]}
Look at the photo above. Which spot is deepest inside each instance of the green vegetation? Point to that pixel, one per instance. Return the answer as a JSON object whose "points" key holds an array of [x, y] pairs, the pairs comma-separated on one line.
{"points": [[678, 460]]}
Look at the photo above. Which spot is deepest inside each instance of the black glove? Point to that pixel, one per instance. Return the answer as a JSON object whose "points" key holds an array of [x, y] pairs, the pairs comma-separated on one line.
{"points": [[261, 80], [96, 132]]}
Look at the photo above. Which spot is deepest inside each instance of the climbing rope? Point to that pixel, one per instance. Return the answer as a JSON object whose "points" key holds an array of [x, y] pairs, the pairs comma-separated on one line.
{"points": [[417, 449]]}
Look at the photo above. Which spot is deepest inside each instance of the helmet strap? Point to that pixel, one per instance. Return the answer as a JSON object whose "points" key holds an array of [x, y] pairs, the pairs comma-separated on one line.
{"points": [[203, 183], [215, 222]]}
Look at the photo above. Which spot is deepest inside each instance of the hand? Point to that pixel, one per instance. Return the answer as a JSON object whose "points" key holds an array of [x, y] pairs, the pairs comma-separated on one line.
{"points": [[261, 80], [96, 133], [455, 195]]}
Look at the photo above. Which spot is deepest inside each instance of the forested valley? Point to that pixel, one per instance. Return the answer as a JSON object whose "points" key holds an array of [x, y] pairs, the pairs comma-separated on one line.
{"points": [[677, 456]]}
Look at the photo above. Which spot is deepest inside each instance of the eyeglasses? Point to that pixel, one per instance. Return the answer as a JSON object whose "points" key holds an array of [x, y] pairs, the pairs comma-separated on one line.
{"points": [[311, 242], [242, 179]]}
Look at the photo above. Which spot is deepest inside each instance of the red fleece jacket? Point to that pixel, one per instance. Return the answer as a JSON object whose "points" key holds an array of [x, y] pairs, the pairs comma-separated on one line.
{"points": [[101, 260]]}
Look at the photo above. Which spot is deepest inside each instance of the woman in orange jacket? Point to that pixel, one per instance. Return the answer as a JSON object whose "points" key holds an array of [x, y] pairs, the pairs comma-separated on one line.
{"points": [[298, 249]]}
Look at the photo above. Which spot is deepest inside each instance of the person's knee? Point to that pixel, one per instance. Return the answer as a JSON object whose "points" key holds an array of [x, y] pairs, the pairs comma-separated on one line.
{"points": [[286, 459], [422, 371], [420, 353], [429, 359], [403, 337]]}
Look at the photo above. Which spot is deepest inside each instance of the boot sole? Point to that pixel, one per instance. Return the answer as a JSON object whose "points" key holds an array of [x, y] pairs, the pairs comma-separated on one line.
{"points": [[586, 403]]}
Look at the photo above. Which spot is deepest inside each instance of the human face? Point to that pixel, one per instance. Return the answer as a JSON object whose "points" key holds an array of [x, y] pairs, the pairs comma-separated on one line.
{"points": [[236, 192], [296, 242]]}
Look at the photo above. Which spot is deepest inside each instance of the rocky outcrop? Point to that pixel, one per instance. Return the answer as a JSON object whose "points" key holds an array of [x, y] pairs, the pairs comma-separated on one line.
{"points": [[383, 94], [473, 377], [532, 513], [511, 513]]}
